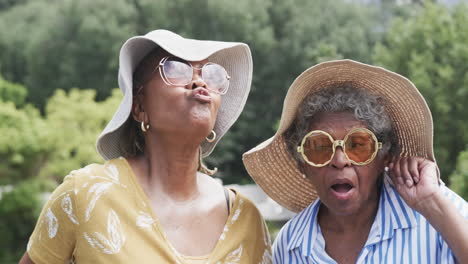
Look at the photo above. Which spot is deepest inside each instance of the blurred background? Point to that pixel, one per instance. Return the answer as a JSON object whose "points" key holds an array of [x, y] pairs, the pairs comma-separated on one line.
{"points": [[59, 62]]}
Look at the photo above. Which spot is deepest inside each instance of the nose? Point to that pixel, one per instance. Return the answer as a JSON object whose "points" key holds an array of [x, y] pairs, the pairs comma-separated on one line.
{"points": [[339, 160], [197, 80]]}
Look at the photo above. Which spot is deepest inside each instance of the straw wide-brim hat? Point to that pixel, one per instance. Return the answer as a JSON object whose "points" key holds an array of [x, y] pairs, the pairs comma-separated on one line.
{"points": [[274, 169], [235, 57]]}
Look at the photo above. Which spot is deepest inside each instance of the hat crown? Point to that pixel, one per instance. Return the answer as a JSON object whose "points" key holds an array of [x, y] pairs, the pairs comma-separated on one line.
{"points": [[235, 57], [272, 167]]}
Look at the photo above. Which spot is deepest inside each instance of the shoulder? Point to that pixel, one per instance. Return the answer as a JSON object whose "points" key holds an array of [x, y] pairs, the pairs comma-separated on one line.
{"points": [[242, 202], [292, 232], [111, 170]]}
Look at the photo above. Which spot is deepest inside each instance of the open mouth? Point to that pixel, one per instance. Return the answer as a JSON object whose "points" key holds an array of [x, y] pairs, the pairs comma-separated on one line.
{"points": [[342, 187]]}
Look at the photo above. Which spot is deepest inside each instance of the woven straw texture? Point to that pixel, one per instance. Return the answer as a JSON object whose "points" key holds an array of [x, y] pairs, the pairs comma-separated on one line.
{"points": [[273, 168]]}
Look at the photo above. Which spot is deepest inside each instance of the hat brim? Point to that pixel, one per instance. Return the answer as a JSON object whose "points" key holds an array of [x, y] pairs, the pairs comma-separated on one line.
{"points": [[235, 57], [274, 169]]}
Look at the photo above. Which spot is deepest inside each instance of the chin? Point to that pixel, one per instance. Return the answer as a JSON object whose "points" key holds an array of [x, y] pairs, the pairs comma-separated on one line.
{"points": [[343, 208]]}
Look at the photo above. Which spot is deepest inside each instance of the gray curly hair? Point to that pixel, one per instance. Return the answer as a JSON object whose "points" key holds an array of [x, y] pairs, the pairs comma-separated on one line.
{"points": [[343, 98]]}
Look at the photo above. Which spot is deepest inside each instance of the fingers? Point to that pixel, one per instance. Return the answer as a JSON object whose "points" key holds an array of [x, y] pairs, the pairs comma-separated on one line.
{"points": [[405, 170], [413, 169], [394, 167]]}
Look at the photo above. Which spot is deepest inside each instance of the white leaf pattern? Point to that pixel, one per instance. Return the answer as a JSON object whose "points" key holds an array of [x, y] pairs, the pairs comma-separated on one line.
{"points": [[223, 235], [237, 212], [67, 207], [95, 191], [233, 258], [112, 171], [52, 222], [115, 239], [233, 220], [267, 257], [144, 220]]}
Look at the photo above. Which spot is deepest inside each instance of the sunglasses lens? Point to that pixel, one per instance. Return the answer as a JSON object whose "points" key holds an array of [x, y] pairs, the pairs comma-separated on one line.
{"points": [[360, 146], [215, 77], [177, 71], [318, 148]]}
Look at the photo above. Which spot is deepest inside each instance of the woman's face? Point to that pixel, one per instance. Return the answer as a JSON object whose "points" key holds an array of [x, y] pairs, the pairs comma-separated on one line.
{"points": [[344, 188], [176, 109]]}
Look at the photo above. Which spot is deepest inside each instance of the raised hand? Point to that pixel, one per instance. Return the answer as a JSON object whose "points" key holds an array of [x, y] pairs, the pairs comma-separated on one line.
{"points": [[416, 180]]}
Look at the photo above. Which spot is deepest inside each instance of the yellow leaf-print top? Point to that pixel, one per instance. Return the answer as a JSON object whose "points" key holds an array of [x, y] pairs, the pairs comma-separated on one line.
{"points": [[100, 214]]}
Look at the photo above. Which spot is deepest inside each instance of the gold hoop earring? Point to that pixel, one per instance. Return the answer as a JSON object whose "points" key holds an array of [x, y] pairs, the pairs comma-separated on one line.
{"points": [[144, 127], [212, 138]]}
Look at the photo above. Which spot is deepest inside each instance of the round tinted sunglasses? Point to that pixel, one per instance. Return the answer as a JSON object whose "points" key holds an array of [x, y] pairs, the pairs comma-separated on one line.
{"points": [[359, 146], [178, 72]]}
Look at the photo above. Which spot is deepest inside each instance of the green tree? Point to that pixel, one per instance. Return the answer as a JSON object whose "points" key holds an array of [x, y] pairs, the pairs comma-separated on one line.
{"points": [[81, 40], [75, 120], [72, 44], [430, 49], [19, 209], [12, 92], [459, 178], [24, 143], [304, 33]]}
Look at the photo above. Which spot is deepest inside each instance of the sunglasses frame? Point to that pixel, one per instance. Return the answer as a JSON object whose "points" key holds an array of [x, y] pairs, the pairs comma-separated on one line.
{"points": [[166, 80], [340, 143]]}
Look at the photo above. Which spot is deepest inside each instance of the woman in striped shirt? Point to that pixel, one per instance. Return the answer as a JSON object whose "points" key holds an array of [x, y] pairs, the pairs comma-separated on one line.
{"points": [[353, 154]]}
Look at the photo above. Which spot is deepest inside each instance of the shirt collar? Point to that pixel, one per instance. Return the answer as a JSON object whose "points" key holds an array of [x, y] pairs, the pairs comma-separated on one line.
{"points": [[303, 224], [392, 214]]}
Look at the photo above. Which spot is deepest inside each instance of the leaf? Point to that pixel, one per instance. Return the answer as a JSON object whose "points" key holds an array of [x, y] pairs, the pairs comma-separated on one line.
{"points": [[67, 207], [52, 222], [234, 257], [144, 220], [112, 171], [96, 191], [115, 239]]}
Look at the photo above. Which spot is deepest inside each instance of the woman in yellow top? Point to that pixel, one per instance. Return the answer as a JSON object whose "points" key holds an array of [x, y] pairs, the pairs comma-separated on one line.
{"points": [[153, 201]]}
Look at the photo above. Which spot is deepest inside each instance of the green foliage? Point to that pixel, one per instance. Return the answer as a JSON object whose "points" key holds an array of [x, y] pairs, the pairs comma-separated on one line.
{"points": [[12, 92], [430, 49], [52, 146], [75, 120], [80, 38], [459, 178], [19, 210], [6, 4], [24, 143], [50, 46], [290, 37]]}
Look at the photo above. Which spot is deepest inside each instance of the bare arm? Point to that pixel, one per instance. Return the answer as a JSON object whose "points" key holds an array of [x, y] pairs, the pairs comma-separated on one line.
{"points": [[416, 181], [444, 217], [26, 259]]}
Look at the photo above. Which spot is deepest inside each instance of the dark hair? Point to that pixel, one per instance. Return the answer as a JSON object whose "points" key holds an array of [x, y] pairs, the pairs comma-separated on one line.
{"points": [[135, 139], [135, 143]]}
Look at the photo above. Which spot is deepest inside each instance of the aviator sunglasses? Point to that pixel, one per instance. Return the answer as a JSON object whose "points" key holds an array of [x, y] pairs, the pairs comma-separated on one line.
{"points": [[179, 72], [359, 146]]}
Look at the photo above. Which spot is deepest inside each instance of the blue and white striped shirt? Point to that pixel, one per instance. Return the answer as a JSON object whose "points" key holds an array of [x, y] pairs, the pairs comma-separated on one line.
{"points": [[399, 234]]}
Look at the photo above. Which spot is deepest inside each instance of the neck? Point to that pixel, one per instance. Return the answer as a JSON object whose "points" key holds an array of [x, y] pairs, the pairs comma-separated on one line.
{"points": [[169, 166], [357, 222]]}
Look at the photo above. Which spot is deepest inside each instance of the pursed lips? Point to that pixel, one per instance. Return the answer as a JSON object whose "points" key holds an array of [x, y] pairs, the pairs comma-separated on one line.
{"points": [[201, 95]]}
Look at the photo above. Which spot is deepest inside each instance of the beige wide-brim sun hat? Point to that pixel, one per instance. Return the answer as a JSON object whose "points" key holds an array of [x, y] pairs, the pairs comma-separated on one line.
{"points": [[275, 170], [235, 57]]}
